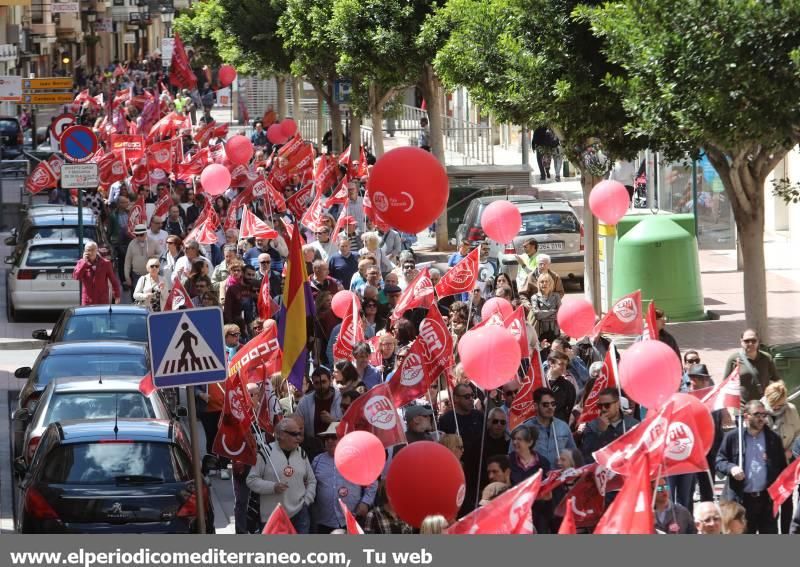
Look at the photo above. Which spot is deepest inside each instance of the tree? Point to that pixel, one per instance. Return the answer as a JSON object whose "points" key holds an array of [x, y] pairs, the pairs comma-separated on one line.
{"points": [[717, 76], [530, 62]]}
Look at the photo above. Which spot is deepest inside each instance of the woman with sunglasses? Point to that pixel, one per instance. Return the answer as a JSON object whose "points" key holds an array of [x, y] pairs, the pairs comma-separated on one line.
{"points": [[151, 290], [373, 321]]}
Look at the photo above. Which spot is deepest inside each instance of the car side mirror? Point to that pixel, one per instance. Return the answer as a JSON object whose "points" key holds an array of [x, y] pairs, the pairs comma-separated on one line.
{"points": [[41, 334], [20, 466], [181, 411], [11, 241], [22, 414], [9, 260], [209, 464], [23, 372]]}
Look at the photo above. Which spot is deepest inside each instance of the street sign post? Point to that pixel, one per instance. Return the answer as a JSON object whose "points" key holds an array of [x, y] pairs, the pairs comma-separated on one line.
{"points": [[79, 176], [78, 143], [186, 347], [47, 98], [60, 124], [47, 83]]}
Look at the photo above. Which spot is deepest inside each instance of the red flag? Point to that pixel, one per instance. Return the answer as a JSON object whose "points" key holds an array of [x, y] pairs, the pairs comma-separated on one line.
{"points": [[607, 379], [325, 172], [242, 199], [460, 278], [522, 407], [203, 135], [350, 333], [339, 196], [121, 97], [509, 513], [375, 412], [670, 436], [784, 485], [352, 525], [411, 381], [651, 327], [110, 169], [178, 297], [624, 317], [263, 189], [130, 147], [234, 438], [137, 214], [180, 71], [631, 512], [159, 155], [419, 293], [312, 218], [568, 526], [558, 477], [269, 410], [584, 498], [516, 324], [163, 204], [726, 394], [279, 523], [202, 233], [264, 299], [375, 357], [263, 350], [437, 342], [300, 201], [42, 177], [254, 227], [146, 385]]}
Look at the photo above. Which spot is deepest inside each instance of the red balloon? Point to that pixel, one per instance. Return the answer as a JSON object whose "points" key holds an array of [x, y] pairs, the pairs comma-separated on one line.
{"points": [[490, 356], [501, 221], [215, 179], [226, 75], [609, 201], [650, 372], [360, 457], [408, 188], [496, 305], [576, 316], [425, 479], [275, 135], [239, 150], [342, 302], [288, 127]]}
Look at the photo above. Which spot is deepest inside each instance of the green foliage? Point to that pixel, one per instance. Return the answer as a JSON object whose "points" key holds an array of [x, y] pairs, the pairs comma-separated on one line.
{"points": [[304, 27], [787, 190], [201, 28]]}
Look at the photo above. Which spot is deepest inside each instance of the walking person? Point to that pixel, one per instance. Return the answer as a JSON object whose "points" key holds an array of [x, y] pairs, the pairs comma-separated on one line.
{"points": [[151, 290], [96, 275]]}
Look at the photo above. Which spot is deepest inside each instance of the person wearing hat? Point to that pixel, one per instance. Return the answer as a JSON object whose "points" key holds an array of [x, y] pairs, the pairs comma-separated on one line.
{"points": [[139, 251], [326, 513], [419, 423]]}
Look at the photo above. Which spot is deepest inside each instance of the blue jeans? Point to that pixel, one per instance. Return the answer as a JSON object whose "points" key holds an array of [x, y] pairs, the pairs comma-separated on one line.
{"points": [[302, 521], [681, 487]]}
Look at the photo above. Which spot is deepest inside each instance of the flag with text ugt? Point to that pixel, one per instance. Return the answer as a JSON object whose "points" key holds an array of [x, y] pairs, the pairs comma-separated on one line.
{"points": [[180, 70], [624, 317], [178, 297], [419, 293], [234, 438], [375, 412], [460, 278], [44, 176], [631, 511]]}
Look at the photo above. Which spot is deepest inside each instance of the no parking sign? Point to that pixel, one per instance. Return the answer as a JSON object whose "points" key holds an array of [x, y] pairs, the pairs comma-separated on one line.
{"points": [[78, 144]]}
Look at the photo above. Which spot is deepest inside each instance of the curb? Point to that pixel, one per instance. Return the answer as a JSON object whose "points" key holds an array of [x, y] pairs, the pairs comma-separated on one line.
{"points": [[21, 344]]}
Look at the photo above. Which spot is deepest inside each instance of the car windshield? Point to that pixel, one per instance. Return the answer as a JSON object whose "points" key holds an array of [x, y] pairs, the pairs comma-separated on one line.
{"points": [[9, 126], [112, 463], [549, 222], [89, 232], [53, 256], [107, 326], [110, 364], [97, 405]]}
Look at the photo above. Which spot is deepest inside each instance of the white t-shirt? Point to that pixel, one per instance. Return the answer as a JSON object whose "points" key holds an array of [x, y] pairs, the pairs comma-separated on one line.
{"points": [[159, 238]]}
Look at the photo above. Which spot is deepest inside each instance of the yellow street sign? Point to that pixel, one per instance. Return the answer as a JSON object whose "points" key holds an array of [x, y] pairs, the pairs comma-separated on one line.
{"points": [[47, 98], [47, 83]]}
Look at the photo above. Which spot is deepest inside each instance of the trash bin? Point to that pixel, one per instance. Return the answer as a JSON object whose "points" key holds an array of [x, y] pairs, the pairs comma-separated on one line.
{"points": [[787, 362]]}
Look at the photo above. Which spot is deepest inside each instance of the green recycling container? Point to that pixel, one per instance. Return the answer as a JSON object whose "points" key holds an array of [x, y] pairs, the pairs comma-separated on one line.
{"points": [[787, 362], [658, 254]]}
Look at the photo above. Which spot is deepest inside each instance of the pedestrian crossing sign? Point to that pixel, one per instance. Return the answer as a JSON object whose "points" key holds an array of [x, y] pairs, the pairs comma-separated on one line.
{"points": [[186, 347]]}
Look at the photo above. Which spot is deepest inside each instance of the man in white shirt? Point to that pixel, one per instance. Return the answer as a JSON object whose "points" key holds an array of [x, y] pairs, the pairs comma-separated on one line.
{"points": [[157, 234]]}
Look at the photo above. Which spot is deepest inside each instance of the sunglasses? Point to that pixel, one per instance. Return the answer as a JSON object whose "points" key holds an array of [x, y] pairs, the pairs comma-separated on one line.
{"points": [[499, 422], [749, 341], [547, 404], [153, 266], [263, 262], [466, 396], [759, 414], [605, 405], [692, 361], [662, 488]]}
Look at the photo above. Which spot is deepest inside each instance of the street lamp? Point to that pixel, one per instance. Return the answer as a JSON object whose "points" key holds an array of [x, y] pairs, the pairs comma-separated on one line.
{"points": [[91, 19], [167, 16], [144, 22]]}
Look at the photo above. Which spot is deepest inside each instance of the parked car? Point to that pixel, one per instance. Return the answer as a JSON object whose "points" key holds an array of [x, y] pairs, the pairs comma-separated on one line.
{"points": [[87, 398], [11, 138], [111, 476], [82, 358], [98, 322], [472, 229], [40, 278], [556, 227]]}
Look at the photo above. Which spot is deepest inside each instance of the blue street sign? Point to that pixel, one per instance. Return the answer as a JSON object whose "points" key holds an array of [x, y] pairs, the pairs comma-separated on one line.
{"points": [[78, 143], [186, 347], [341, 91]]}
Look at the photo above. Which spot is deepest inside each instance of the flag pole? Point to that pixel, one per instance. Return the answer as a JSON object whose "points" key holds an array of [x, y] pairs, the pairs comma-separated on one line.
{"points": [[658, 477], [483, 441], [741, 440], [618, 379], [555, 437]]}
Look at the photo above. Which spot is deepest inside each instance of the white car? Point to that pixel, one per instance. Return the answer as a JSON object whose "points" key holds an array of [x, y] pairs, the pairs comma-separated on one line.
{"points": [[40, 279]]}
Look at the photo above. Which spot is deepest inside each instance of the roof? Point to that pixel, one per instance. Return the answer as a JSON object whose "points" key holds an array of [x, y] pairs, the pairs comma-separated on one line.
{"points": [[511, 198], [95, 347], [554, 205], [92, 310], [53, 241], [159, 430], [56, 218], [96, 384]]}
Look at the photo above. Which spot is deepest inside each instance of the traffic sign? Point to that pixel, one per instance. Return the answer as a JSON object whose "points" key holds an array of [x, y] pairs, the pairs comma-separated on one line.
{"points": [[47, 83], [186, 347], [47, 98], [341, 91], [10, 88], [61, 123], [78, 143], [79, 176]]}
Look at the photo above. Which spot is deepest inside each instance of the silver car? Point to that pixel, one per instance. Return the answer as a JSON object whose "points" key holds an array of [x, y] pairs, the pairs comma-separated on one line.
{"points": [[89, 398]]}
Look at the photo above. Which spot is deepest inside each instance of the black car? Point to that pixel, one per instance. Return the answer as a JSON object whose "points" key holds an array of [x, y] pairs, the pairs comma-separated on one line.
{"points": [[11, 139], [82, 358], [111, 476], [98, 323]]}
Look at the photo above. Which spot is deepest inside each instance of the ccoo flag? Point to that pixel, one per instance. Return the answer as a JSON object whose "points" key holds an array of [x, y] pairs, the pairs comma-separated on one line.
{"points": [[295, 309]]}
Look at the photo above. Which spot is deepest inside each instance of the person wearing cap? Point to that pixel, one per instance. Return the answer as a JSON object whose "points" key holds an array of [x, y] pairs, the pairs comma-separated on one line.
{"points": [[322, 405], [139, 251], [419, 423], [326, 513]]}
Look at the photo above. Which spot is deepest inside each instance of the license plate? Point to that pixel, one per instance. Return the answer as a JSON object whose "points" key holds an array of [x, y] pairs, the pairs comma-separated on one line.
{"points": [[551, 246], [59, 276]]}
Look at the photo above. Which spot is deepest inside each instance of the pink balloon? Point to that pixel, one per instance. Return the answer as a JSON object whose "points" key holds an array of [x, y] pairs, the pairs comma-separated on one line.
{"points": [[226, 75], [650, 372], [215, 179], [275, 135], [342, 302], [496, 305], [490, 356], [359, 457], [239, 150], [609, 201], [501, 221], [576, 316], [288, 127]]}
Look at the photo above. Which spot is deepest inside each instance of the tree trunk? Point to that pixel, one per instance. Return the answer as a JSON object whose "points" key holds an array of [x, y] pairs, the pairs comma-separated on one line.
{"points": [[355, 137], [280, 80], [377, 133], [591, 263], [297, 109], [751, 240], [320, 121], [431, 91], [336, 125]]}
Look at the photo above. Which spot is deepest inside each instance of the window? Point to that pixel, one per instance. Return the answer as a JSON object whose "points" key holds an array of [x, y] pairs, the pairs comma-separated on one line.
{"points": [[98, 405], [89, 232], [549, 222], [57, 256], [102, 326], [107, 364]]}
